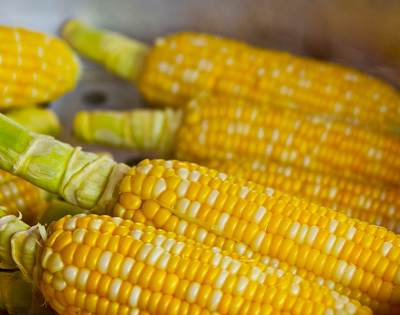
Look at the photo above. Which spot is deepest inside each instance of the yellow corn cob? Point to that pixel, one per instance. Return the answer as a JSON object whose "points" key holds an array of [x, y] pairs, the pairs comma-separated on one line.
{"points": [[34, 67], [89, 264], [375, 204], [325, 246], [220, 128], [17, 195], [181, 66]]}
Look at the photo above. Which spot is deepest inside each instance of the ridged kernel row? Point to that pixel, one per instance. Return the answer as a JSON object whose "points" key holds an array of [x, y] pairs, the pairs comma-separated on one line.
{"points": [[220, 128], [102, 264], [329, 244]]}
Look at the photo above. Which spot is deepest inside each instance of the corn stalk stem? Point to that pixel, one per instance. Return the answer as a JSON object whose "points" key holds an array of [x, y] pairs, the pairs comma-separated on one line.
{"points": [[119, 54], [84, 179]]}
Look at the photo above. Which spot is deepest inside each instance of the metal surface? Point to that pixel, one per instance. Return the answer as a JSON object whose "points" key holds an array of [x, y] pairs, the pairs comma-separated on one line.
{"points": [[363, 34]]}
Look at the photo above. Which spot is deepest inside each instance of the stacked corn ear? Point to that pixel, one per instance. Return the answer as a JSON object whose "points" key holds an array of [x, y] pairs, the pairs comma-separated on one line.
{"points": [[35, 68], [376, 204], [179, 67], [19, 296], [323, 246], [90, 264], [20, 196], [220, 128]]}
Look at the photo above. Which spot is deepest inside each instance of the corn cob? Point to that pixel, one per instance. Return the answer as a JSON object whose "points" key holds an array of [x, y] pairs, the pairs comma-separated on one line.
{"points": [[147, 130], [17, 195], [39, 120], [35, 68], [181, 66], [19, 296], [219, 128], [90, 264], [325, 246], [375, 204]]}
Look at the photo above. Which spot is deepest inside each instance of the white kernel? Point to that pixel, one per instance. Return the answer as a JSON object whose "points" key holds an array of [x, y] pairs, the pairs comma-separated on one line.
{"points": [[326, 249], [154, 255], [126, 267], [268, 149], [350, 233], [182, 188], [240, 248], [338, 304], [295, 289], [177, 248], [348, 95], [222, 220], [269, 191], [220, 280], [201, 235], [182, 205], [260, 132], [183, 173], [229, 61], [163, 261], [95, 224], [78, 235], [175, 88], [386, 247], [275, 135], [144, 251], [339, 270], [261, 71], [223, 176], [375, 96], [332, 192], [348, 275], [104, 261], [225, 262], [136, 234], [134, 296], [58, 281], [194, 176], [163, 67], [113, 291], [212, 196], [275, 73], [356, 110], [338, 107], [215, 260], [338, 246], [144, 169], [194, 209], [213, 302], [70, 273], [350, 308], [179, 58], [301, 234], [293, 230], [243, 191], [70, 224], [306, 161], [241, 285], [311, 235], [159, 187], [259, 214], [333, 224]]}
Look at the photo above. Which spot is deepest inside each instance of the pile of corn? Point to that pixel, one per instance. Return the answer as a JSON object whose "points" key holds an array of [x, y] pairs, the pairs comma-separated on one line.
{"points": [[287, 204]]}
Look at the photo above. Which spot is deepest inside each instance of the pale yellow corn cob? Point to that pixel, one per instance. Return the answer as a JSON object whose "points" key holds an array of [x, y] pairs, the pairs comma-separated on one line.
{"points": [[376, 204], [180, 66], [222, 128], [89, 264], [35, 67]]}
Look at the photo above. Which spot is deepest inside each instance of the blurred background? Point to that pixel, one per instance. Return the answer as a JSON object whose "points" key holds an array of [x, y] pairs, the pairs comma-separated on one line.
{"points": [[362, 34]]}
